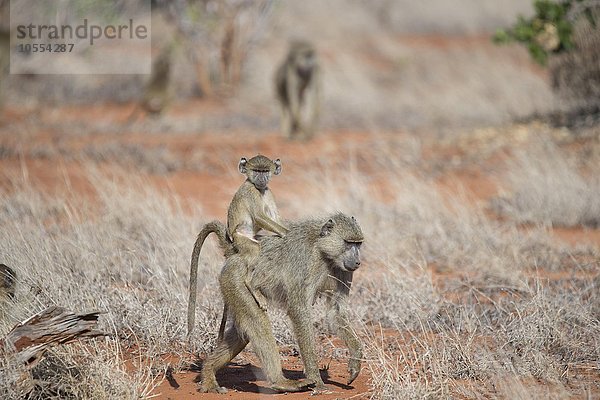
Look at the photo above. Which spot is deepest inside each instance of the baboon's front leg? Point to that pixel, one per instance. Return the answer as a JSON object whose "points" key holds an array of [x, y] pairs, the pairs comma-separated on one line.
{"points": [[347, 334], [337, 304], [305, 335], [286, 121], [268, 224]]}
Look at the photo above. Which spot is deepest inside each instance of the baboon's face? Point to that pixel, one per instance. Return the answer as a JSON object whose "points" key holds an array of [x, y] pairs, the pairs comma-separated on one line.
{"points": [[259, 178], [305, 61], [259, 170], [340, 242], [351, 256]]}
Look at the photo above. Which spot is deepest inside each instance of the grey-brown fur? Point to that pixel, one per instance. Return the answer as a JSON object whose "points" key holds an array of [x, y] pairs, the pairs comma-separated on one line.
{"points": [[315, 257], [297, 84]]}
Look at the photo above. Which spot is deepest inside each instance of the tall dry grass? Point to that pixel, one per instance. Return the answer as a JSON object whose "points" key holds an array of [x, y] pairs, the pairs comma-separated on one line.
{"points": [[449, 302], [126, 254], [544, 186]]}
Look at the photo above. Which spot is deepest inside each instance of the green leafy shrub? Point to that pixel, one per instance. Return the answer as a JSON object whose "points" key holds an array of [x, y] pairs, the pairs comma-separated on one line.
{"points": [[550, 30]]}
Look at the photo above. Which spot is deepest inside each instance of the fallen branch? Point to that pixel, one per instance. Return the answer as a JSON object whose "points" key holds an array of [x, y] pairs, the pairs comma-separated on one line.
{"points": [[30, 339]]}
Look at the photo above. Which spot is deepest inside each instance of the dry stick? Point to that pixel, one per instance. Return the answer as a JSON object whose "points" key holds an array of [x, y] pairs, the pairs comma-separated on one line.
{"points": [[30, 339]]}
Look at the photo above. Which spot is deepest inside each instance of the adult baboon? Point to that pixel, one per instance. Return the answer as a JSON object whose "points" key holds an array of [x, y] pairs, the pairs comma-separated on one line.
{"points": [[252, 208], [317, 256], [297, 87], [157, 92], [8, 282]]}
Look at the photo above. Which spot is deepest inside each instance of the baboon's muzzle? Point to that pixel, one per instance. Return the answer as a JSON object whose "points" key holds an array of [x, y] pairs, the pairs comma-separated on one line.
{"points": [[351, 266]]}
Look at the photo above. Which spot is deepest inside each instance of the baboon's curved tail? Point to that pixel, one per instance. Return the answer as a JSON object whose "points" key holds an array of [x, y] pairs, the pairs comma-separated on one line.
{"points": [[219, 229]]}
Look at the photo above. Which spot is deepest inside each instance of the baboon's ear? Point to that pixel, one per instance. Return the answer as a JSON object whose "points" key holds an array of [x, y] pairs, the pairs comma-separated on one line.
{"points": [[327, 228], [277, 166], [242, 165]]}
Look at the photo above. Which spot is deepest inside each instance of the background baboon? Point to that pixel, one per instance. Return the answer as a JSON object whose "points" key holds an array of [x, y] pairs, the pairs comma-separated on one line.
{"points": [[7, 282], [315, 257], [297, 86], [252, 208], [157, 94]]}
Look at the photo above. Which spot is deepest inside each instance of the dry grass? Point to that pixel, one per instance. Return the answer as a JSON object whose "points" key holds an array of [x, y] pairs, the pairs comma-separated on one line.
{"points": [[158, 160], [450, 303], [117, 257], [91, 371], [545, 187]]}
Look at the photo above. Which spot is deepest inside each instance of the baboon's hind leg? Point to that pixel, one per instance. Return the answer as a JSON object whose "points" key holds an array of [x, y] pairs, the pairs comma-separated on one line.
{"points": [[231, 345], [253, 323]]}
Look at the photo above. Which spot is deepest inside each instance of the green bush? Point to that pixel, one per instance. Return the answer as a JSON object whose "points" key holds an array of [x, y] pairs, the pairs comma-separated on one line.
{"points": [[550, 30]]}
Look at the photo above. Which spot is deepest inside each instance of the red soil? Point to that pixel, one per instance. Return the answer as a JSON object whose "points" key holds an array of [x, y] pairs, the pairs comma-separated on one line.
{"points": [[245, 380]]}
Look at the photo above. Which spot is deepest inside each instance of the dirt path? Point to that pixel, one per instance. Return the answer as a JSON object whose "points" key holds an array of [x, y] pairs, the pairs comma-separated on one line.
{"points": [[245, 380]]}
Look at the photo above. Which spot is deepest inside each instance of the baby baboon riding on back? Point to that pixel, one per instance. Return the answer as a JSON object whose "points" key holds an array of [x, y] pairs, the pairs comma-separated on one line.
{"points": [[252, 209]]}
